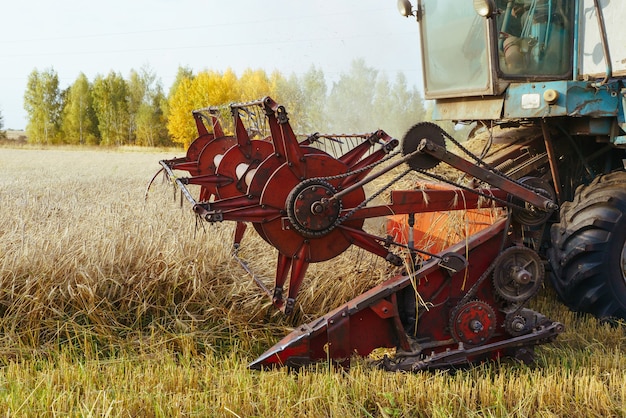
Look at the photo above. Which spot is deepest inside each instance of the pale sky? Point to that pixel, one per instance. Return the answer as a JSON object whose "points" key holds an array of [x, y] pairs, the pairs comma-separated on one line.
{"points": [[92, 37]]}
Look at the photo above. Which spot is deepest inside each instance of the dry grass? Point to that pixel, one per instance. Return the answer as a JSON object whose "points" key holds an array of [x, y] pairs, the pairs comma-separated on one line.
{"points": [[112, 306]]}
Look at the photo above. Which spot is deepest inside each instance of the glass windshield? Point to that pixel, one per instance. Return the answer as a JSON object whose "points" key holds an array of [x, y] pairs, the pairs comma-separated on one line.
{"points": [[454, 38], [534, 37]]}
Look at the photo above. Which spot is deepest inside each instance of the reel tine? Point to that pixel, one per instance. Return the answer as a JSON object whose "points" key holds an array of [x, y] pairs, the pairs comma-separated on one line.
{"points": [[152, 181]]}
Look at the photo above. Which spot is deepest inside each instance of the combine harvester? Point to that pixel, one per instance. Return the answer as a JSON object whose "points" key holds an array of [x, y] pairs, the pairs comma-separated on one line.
{"points": [[530, 66]]}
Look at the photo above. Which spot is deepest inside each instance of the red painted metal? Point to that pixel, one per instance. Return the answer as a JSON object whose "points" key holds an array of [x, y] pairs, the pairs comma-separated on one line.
{"points": [[513, 188], [311, 206], [207, 162], [189, 163], [275, 194], [367, 322], [244, 158]]}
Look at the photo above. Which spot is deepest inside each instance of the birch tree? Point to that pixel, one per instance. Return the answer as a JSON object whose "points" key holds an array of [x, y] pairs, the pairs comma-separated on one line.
{"points": [[42, 102], [111, 105], [79, 124]]}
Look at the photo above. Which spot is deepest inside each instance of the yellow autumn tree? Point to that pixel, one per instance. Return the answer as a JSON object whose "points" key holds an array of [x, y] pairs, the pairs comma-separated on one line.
{"points": [[214, 88], [254, 85], [180, 124]]}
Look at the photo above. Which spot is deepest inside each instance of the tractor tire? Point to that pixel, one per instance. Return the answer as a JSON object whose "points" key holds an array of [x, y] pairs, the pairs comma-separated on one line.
{"points": [[588, 252]]}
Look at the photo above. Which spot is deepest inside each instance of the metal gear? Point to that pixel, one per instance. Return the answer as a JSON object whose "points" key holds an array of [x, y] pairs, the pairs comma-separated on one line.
{"points": [[522, 321], [518, 274], [515, 325], [473, 323], [310, 208], [412, 140], [527, 214]]}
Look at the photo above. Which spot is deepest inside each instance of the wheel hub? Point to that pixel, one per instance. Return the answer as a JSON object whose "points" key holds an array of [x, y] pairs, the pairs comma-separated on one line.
{"points": [[473, 323], [311, 209], [413, 138], [518, 274]]}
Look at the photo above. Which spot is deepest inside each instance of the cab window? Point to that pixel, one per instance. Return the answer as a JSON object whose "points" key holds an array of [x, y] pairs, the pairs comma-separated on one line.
{"points": [[534, 37]]}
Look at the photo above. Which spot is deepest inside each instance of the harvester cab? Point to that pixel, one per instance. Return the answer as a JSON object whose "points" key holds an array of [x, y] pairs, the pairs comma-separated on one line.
{"points": [[477, 49], [557, 68], [523, 71]]}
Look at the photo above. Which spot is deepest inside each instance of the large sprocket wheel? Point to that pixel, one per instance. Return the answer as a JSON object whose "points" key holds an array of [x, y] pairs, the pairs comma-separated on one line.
{"points": [[532, 216], [518, 274], [588, 253], [413, 138], [473, 323]]}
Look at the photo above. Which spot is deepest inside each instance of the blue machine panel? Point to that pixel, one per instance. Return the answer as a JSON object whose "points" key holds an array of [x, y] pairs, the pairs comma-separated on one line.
{"points": [[561, 98]]}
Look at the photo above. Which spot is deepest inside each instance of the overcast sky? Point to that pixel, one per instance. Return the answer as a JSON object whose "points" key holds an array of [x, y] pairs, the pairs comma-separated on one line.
{"points": [[92, 37]]}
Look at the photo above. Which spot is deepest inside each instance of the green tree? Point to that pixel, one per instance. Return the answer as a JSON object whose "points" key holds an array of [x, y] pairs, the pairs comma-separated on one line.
{"points": [[150, 120], [288, 92], [351, 100], [3, 133], [410, 104], [79, 123], [136, 89], [42, 102], [110, 101], [398, 106], [314, 96], [146, 121]]}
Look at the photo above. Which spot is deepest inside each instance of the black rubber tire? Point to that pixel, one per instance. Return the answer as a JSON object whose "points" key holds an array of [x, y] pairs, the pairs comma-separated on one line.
{"points": [[588, 247]]}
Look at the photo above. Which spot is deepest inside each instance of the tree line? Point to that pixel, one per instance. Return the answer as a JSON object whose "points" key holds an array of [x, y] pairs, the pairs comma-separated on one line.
{"points": [[112, 110], [3, 133]]}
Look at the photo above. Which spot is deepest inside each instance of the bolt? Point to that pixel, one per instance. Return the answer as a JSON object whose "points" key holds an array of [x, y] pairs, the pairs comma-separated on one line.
{"points": [[317, 208], [523, 276], [476, 326]]}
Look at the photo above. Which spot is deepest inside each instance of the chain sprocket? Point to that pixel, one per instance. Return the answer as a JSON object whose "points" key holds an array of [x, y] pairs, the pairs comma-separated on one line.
{"points": [[310, 208], [473, 323], [412, 140], [527, 214], [518, 274]]}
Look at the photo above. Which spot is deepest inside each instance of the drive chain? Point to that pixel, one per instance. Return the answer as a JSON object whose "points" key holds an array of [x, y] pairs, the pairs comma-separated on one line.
{"points": [[437, 177]]}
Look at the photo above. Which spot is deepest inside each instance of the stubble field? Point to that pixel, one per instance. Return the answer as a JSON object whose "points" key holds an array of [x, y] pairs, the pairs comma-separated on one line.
{"points": [[111, 305]]}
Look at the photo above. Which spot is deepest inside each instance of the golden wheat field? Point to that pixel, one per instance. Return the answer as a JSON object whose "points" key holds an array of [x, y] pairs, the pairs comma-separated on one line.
{"points": [[112, 305]]}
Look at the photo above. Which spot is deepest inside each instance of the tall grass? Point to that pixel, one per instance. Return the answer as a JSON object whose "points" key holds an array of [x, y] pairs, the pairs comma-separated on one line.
{"points": [[115, 306]]}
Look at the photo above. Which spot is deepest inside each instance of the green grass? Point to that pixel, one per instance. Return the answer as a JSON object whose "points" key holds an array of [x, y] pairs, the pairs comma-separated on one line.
{"points": [[115, 306]]}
